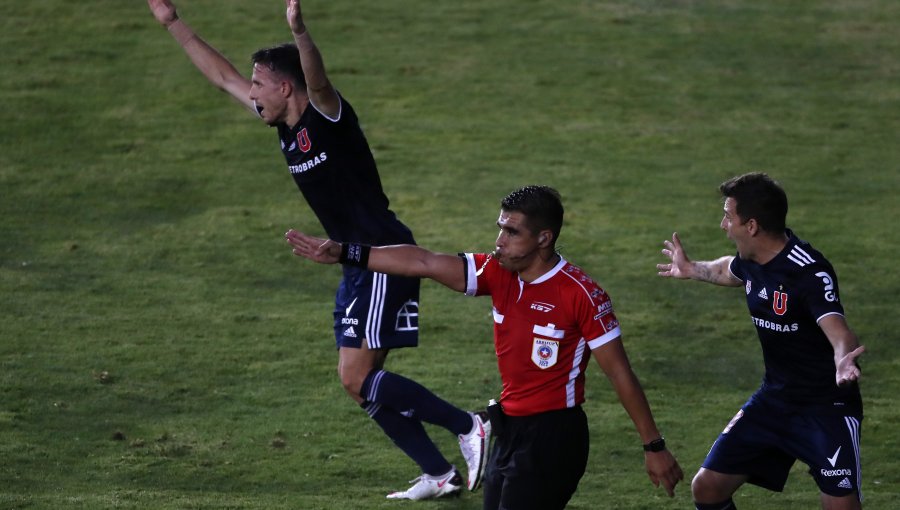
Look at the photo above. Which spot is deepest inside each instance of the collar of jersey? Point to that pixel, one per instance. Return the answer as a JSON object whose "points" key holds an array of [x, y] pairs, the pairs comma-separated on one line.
{"points": [[549, 274]]}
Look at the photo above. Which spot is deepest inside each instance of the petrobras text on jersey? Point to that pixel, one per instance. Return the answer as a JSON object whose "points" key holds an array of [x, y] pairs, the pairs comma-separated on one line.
{"points": [[774, 326], [308, 165]]}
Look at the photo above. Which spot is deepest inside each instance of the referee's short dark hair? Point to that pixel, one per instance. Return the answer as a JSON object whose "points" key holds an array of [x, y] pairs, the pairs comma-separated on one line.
{"points": [[283, 58], [541, 205], [758, 197]]}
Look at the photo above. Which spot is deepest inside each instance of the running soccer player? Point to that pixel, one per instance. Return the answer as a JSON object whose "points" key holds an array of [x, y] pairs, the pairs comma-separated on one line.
{"points": [[808, 406], [329, 159], [549, 318]]}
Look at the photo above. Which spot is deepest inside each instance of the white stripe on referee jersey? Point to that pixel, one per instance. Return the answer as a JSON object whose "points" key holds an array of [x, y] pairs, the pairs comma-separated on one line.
{"points": [[573, 374], [800, 257], [853, 427], [471, 275], [376, 305], [606, 338]]}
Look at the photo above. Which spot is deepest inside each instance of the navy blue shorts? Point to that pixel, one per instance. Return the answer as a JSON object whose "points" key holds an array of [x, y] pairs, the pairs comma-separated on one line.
{"points": [[765, 438], [382, 309]]}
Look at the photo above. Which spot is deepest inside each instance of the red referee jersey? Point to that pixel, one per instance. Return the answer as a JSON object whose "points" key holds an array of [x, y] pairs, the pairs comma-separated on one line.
{"points": [[543, 331]]}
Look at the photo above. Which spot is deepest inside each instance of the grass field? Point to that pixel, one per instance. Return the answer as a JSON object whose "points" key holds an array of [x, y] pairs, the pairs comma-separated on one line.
{"points": [[160, 347]]}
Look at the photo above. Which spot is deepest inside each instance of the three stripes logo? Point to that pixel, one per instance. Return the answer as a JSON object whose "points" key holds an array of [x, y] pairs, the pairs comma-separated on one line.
{"points": [[800, 257]]}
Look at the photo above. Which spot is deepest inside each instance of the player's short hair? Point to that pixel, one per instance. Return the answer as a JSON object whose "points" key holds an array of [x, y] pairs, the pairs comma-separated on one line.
{"points": [[284, 59], [758, 197], [541, 205]]}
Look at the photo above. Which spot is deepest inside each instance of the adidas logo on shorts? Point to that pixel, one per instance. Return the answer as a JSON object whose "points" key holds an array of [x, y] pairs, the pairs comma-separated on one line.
{"points": [[349, 332], [845, 484]]}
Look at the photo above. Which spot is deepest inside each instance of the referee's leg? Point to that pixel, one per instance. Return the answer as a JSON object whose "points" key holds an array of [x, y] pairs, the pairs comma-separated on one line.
{"points": [[541, 469]]}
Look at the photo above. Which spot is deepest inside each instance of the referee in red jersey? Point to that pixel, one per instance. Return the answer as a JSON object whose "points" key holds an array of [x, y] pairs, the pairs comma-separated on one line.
{"points": [[548, 316]]}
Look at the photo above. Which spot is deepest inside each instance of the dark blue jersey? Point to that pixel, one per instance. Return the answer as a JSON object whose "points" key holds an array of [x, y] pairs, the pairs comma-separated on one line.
{"points": [[332, 165], [787, 297]]}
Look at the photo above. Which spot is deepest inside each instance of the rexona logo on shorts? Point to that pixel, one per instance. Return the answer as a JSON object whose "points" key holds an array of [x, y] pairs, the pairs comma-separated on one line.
{"points": [[837, 472]]}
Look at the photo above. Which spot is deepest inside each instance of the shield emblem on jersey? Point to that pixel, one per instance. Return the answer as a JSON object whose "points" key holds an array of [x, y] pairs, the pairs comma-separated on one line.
{"points": [[544, 353]]}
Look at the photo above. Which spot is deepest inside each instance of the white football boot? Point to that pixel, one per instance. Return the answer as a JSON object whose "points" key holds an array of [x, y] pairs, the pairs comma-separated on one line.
{"points": [[428, 487], [474, 446]]}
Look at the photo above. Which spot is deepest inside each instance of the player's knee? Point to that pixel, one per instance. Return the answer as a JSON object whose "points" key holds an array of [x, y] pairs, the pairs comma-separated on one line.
{"points": [[703, 489], [352, 383]]}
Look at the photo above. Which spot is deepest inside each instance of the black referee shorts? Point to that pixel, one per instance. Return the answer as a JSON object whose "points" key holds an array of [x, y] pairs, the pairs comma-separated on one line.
{"points": [[537, 462]]}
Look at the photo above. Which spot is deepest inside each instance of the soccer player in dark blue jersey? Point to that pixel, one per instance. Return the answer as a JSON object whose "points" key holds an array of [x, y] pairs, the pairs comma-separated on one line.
{"points": [[808, 406], [330, 161]]}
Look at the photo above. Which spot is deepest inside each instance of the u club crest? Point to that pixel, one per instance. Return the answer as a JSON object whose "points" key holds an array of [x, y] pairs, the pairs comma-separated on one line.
{"points": [[779, 302], [303, 140]]}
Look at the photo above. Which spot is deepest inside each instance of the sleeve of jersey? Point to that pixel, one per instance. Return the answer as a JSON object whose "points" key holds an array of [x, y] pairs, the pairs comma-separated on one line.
{"points": [[821, 289], [735, 268], [477, 273], [597, 320], [337, 118]]}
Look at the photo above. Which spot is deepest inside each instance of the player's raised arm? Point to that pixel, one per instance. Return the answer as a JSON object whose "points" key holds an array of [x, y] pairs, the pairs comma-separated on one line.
{"points": [[215, 67], [681, 267], [321, 92], [401, 260]]}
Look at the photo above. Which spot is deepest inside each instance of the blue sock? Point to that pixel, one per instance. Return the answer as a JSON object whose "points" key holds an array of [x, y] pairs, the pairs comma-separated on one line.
{"points": [[724, 505], [414, 400], [409, 435]]}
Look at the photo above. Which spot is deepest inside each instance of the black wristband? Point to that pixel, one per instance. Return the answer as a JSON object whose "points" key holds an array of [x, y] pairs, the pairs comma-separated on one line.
{"points": [[355, 254], [657, 445]]}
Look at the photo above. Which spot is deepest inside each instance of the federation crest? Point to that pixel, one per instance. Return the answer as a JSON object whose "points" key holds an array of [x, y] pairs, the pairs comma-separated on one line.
{"points": [[544, 353]]}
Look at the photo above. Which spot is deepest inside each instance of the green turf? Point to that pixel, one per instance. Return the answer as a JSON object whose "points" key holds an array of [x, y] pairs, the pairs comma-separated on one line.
{"points": [[161, 348]]}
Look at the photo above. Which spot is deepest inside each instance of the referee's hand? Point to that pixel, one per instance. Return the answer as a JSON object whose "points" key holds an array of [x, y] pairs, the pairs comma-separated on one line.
{"points": [[662, 468]]}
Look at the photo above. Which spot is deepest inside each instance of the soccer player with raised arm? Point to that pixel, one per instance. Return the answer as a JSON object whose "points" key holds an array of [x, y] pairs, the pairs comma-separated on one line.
{"points": [[330, 161]]}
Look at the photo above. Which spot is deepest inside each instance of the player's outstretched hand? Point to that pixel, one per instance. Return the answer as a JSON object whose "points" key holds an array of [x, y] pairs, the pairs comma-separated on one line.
{"points": [[294, 16], [847, 369], [163, 11], [323, 251], [662, 468], [679, 264]]}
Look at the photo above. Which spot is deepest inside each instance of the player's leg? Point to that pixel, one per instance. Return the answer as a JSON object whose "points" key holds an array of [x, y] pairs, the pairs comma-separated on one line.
{"points": [[375, 314], [354, 365], [712, 490], [387, 313], [748, 450], [417, 402], [829, 444], [849, 502]]}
